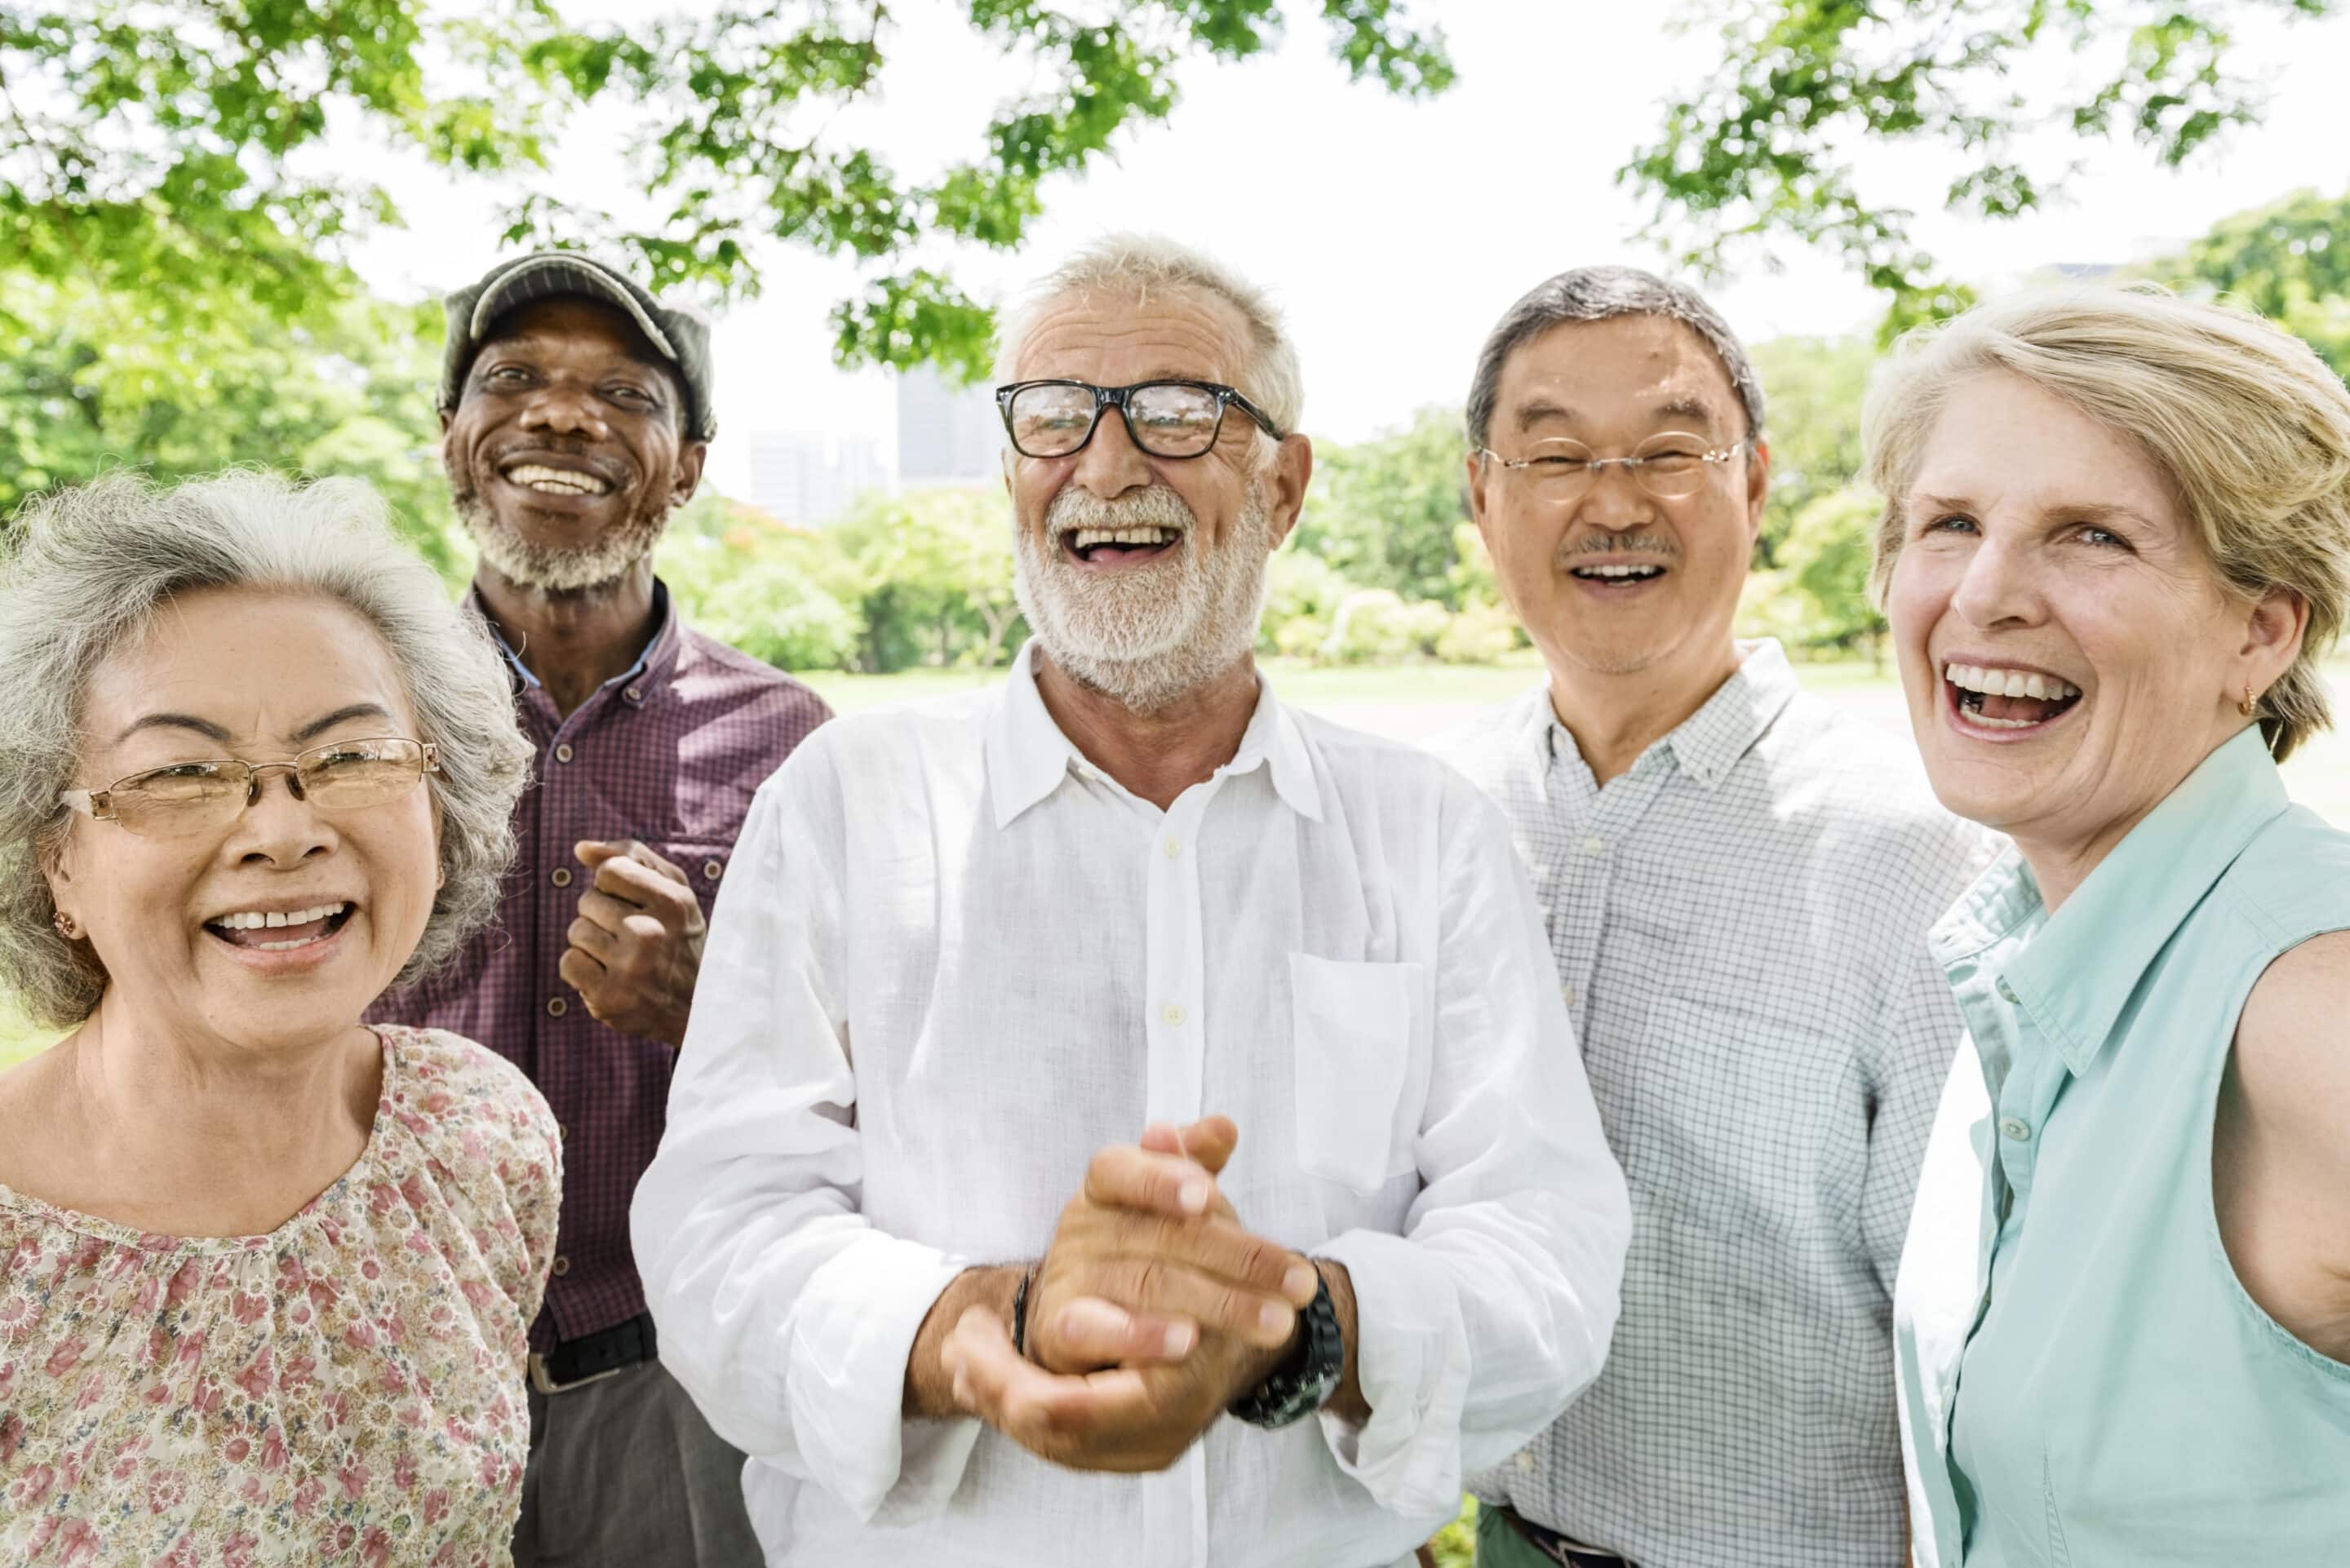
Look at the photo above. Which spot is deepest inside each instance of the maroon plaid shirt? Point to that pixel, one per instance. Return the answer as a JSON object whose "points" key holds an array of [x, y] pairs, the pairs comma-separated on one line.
{"points": [[669, 753]]}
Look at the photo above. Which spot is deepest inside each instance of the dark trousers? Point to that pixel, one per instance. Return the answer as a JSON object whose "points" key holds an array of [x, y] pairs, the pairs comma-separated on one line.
{"points": [[625, 1473]]}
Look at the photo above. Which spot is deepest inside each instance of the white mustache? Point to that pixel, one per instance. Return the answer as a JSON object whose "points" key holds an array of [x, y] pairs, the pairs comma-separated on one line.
{"points": [[1158, 507]]}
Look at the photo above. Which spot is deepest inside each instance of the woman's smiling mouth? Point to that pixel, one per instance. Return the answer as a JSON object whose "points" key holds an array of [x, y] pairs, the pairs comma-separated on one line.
{"points": [[280, 931], [2000, 702]]}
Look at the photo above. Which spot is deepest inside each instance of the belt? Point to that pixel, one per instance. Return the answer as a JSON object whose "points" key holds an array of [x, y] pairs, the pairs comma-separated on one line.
{"points": [[593, 1357], [1557, 1547]]}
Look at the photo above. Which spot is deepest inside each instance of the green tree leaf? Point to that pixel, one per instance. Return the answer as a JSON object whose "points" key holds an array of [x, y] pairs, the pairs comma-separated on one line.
{"points": [[1761, 150]]}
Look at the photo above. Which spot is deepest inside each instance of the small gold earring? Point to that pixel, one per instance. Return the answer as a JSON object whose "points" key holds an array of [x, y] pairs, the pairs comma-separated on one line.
{"points": [[2250, 703], [66, 927]]}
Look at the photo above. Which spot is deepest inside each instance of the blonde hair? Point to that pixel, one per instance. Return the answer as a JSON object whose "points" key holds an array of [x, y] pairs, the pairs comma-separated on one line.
{"points": [[1130, 267], [2249, 425]]}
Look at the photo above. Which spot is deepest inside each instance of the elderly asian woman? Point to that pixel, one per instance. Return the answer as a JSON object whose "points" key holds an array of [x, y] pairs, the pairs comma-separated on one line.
{"points": [[2115, 548], [268, 1271]]}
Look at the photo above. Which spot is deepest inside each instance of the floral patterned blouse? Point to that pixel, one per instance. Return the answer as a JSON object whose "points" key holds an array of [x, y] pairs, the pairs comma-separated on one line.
{"points": [[346, 1389]]}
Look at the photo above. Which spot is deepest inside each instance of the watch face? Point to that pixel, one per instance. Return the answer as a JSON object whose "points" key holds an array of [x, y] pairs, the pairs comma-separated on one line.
{"points": [[1302, 1384]]}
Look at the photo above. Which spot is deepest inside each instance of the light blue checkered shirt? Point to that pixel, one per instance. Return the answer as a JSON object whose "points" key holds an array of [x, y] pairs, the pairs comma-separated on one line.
{"points": [[1740, 926]]}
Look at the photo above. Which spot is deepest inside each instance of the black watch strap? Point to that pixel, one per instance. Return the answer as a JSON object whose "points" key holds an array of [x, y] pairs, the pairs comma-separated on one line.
{"points": [[1310, 1374]]}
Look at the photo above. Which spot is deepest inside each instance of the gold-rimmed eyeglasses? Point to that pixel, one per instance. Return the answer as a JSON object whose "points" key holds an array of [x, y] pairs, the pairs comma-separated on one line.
{"points": [[1668, 465], [191, 797]]}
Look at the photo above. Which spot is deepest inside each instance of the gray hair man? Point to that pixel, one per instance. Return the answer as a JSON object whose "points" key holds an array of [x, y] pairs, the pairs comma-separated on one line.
{"points": [[1111, 1070], [1737, 883]]}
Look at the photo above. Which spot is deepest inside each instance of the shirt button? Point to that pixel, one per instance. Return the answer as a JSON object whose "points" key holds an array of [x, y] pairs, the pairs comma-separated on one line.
{"points": [[1525, 1461], [1566, 992], [1173, 1013], [562, 1267], [563, 753], [634, 695], [1594, 846], [2016, 1130], [713, 871], [2006, 992], [556, 1007], [1172, 848], [561, 876]]}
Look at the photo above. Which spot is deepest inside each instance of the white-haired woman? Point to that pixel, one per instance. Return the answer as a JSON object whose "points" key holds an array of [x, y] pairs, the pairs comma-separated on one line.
{"points": [[2116, 544], [268, 1271]]}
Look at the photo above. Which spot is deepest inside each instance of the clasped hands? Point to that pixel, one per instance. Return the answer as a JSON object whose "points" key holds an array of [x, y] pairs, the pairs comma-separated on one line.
{"points": [[1152, 1310]]}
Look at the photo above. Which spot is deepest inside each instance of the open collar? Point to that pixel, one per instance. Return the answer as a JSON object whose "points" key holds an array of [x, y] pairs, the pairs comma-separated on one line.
{"points": [[656, 662], [1711, 742], [2083, 966], [1028, 756]]}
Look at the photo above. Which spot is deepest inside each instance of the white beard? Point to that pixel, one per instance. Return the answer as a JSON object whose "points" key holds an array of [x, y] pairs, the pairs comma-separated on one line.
{"points": [[552, 569], [1152, 635]]}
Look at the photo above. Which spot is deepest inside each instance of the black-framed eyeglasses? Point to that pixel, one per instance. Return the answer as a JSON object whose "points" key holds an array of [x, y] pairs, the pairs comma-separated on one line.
{"points": [[1165, 418], [1668, 465], [191, 797]]}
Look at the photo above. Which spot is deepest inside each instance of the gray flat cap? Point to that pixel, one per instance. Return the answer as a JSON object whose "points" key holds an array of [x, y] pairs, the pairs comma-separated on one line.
{"points": [[680, 332]]}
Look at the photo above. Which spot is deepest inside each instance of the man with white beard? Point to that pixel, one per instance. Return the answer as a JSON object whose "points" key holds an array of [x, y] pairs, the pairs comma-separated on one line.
{"points": [[1081, 1061]]}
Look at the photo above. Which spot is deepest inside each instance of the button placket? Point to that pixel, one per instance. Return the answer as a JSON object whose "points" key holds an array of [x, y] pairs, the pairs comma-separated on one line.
{"points": [[1172, 940]]}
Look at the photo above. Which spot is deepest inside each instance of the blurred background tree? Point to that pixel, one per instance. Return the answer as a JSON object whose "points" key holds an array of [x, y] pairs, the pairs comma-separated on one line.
{"points": [[174, 286], [1764, 151], [166, 153], [2290, 261], [97, 376], [1383, 512]]}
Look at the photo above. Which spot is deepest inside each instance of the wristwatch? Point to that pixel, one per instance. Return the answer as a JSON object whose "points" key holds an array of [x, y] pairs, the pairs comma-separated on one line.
{"points": [[1307, 1375]]}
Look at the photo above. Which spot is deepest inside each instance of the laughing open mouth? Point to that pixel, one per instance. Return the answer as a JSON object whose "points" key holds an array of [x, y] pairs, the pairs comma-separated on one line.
{"points": [[1117, 546], [556, 481], [280, 931], [1621, 572], [2008, 699]]}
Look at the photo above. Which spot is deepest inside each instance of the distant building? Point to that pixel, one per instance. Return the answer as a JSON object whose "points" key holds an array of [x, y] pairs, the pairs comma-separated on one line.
{"points": [[810, 480], [946, 434]]}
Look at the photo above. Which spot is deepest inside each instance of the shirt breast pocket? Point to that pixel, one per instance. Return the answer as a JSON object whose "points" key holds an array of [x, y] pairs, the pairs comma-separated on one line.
{"points": [[1359, 1042]]}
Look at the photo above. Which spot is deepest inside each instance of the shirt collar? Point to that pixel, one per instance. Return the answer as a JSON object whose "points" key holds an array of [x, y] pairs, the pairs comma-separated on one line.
{"points": [[655, 661], [2081, 969], [1028, 756], [1708, 742]]}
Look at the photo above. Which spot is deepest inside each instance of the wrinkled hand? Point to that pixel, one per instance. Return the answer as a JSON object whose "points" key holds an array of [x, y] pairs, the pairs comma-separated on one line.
{"points": [[635, 948], [1142, 1415], [1150, 1257]]}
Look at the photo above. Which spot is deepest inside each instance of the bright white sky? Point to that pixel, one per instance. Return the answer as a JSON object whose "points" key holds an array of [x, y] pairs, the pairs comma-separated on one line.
{"points": [[1393, 233]]}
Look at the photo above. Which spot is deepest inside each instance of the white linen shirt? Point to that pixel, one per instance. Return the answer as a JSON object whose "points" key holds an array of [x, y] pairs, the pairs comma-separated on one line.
{"points": [[953, 959]]}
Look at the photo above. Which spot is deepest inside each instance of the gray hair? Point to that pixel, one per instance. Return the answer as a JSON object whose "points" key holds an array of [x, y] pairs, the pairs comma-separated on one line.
{"points": [[1129, 266], [83, 571], [1602, 293]]}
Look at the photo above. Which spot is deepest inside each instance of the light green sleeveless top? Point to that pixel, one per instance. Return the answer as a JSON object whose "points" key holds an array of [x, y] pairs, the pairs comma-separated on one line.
{"points": [[2083, 1380]]}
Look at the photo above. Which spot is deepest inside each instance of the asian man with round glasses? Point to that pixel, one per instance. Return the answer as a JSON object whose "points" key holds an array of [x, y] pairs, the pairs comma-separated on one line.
{"points": [[1736, 883]]}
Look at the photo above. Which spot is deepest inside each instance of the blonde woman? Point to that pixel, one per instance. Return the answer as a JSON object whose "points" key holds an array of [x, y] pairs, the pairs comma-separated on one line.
{"points": [[2115, 546], [268, 1270]]}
